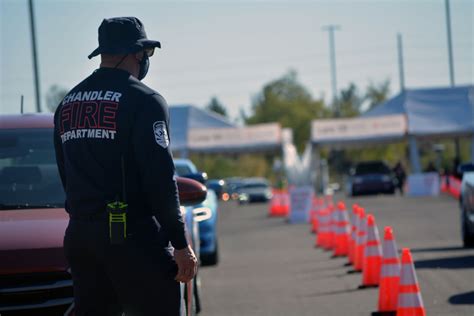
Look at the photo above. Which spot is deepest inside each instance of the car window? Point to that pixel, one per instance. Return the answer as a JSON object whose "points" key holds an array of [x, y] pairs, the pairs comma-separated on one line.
{"points": [[28, 171], [182, 170]]}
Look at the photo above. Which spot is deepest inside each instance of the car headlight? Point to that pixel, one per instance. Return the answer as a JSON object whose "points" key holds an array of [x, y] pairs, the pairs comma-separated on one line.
{"points": [[386, 179], [202, 214], [358, 180], [243, 197]]}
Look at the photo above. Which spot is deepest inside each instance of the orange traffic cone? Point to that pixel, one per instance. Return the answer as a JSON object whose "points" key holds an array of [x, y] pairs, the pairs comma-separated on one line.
{"points": [[353, 234], [274, 207], [324, 227], [341, 230], [389, 277], [314, 214], [331, 242], [360, 241], [372, 255], [410, 302]]}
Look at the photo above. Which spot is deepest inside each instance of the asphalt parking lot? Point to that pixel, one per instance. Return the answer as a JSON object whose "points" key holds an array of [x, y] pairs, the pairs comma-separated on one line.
{"points": [[269, 267]]}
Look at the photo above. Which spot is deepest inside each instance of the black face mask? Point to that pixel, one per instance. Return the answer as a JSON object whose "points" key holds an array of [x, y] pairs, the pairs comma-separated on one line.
{"points": [[144, 65]]}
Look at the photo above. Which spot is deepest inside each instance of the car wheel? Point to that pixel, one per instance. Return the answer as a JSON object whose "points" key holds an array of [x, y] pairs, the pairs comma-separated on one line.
{"points": [[211, 259], [467, 236]]}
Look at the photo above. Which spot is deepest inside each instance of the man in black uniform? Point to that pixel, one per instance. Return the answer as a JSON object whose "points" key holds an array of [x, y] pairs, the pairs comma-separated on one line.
{"points": [[112, 150]]}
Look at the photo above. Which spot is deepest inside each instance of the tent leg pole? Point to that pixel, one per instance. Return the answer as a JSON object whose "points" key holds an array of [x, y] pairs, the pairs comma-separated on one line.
{"points": [[414, 155], [457, 146], [316, 160], [472, 149]]}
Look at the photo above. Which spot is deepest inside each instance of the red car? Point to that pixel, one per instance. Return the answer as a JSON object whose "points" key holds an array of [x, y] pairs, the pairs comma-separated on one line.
{"points": [[34, 277]]}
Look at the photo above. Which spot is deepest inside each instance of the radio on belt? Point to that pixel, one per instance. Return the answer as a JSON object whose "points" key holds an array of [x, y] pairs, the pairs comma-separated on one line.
{"points": [[117, 222]]}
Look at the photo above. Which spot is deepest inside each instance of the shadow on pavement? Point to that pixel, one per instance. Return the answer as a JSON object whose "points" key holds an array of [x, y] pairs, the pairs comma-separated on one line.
{"points": [[463, 262], [462, 299], [453, 248], [335, 292]]}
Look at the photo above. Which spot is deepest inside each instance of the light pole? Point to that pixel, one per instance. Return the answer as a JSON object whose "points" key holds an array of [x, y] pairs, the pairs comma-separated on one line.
{"points": [[450, 43], [401, 68], [35, 56], [332, 60]]}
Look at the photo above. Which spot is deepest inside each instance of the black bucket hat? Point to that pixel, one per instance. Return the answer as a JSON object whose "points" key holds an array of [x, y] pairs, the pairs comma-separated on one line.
{"points": [[122, 35]]}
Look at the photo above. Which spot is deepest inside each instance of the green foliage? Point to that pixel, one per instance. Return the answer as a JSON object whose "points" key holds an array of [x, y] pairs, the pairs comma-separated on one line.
{"points": [[428, 154], [377, 93], [217, 107], [349, 102], [220, 166], [288, 102]]}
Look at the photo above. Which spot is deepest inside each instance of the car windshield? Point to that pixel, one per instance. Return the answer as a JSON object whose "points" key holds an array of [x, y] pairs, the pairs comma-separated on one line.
{"points": [[182, 170], [28, 174], [371, 168]]}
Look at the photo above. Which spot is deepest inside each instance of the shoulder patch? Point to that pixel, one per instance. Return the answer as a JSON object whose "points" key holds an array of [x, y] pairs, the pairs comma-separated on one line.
{"points": [[161, 135]]}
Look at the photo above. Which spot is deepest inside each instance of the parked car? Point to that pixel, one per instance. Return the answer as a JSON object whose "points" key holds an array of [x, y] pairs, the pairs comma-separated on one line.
{"points": [[206, 213], [254, 190], [466, 202], [371, 177], [220, 187], [34, 275], [232, 185]]}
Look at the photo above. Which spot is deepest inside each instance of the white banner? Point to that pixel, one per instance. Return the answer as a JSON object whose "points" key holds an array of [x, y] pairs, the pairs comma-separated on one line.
{"points": [[358, 128], [254, 135], [424, 184], [301, 201]]}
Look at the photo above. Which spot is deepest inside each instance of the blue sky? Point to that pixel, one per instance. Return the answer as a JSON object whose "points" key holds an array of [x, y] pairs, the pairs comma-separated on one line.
{"points": [[230, 49]]}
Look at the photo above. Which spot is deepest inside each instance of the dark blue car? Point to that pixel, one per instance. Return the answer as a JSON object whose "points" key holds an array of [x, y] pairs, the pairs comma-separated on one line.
{"points": [[371, 177]]}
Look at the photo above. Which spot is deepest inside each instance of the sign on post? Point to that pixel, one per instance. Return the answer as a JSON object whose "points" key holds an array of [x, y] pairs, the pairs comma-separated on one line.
{"points": [[301, 199]]}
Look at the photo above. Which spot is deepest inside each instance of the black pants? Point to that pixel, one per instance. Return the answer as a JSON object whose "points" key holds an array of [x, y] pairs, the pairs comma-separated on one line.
{"points": [[136, 277]]}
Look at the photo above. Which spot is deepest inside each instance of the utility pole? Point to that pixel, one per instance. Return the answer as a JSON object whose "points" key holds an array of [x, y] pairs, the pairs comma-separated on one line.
{"points": [[457, 145], [35, 56], [450, 44], [332, 60], [401, 68]]}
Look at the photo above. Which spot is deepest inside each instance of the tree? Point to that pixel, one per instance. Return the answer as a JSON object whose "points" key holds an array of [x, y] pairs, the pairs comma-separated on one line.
{"points": [[54, 96], [217, 107], [350, 101], [286, 101], [377, 93]]}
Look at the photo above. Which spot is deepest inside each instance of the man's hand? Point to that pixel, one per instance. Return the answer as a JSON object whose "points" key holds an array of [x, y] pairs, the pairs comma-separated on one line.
{"points": [[187, 264]]}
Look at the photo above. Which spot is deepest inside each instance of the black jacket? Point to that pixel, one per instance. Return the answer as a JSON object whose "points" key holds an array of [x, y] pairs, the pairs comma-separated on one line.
{"points": [[107, 116]]}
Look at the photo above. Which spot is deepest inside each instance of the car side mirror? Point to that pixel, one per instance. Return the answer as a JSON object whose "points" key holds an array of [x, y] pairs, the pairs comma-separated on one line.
{"points": [[191, 192]]}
